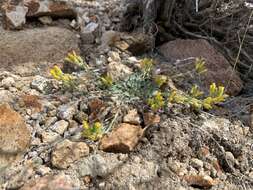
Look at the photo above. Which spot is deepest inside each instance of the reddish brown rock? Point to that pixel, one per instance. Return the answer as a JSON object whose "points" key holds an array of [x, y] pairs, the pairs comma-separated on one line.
{"points": [[123, 139], [50, 182], [95, 105], [31, 101], [151, 119], [49, 8], [14, 136], [219, 69], [205, 182], [67, 152], [15, 12]]}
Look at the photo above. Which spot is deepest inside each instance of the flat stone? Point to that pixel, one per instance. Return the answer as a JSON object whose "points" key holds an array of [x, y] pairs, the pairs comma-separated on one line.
{"points": [[14, 137], [51, 182], [59, 8], [200, 181], [123, 139], [21, 53], [98, 165], [60, 127], [67, 152], [49, 136]]}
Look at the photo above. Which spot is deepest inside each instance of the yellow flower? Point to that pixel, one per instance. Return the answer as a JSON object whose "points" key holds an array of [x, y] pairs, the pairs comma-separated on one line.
{"points": [[147, 66], [200, 66], [160, 80], [213, 90], [106, 80], [56, 72], [207, 103], [195, 103], [72, 57], [93, 132], [172, 96], [195, 92], [157, 101]]}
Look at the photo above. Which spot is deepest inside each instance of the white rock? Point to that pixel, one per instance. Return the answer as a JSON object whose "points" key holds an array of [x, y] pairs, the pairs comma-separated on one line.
{"points": [[114, 56], [15, 17], [40, 83], [43, 170], [91, 27], [196, 163], [49, 136], [118, 70], [60, 127], [6, 96], [8, 82], [46, 20], [50, 121], [67, 111]]}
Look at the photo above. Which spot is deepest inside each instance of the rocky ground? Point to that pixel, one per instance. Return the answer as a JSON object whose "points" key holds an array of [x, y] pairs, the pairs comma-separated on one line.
{"points": [[42, 145]]}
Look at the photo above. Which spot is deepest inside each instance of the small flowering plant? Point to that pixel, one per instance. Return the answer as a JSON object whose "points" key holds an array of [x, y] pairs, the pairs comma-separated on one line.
{"points": [[216, 96], [200, 67], [92, 132], [67, 80], [73, 58], [106, 80], [157, 101]]}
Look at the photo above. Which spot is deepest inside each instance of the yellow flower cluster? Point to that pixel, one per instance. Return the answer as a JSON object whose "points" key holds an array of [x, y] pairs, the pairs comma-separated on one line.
{"points": [[200, 66], [147, 66], [195, 92], [93, 132], [157, 101], [72, 57], [57, 73], [106, 80], [216, 95], [160, 80]]}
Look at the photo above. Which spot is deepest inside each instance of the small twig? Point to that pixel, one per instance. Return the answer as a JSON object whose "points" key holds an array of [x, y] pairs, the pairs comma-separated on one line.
{"points": [[240, 49], [113, 121]]}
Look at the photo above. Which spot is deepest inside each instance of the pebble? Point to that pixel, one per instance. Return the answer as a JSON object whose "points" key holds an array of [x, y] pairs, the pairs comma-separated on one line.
{"points": [[8, 82], [196, 163], [60, 127], [49, 136], [67, 111]]}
